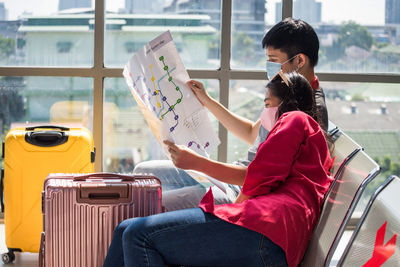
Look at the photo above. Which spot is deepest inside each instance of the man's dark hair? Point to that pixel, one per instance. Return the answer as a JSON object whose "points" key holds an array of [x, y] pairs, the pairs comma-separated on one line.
{"points": [[293, 36]]}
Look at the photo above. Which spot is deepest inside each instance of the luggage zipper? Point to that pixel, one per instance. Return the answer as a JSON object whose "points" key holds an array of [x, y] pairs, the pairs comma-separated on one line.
{"points": [[1, 191], [2, 178]]}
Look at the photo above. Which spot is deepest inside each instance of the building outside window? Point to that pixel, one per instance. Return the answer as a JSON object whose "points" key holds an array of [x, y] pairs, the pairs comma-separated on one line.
{"points": [[64, 47]]}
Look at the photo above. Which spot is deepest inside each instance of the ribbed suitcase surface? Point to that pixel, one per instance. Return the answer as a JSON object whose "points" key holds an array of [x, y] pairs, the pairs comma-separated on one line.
{"points": [[81, 212], [30, 154]]}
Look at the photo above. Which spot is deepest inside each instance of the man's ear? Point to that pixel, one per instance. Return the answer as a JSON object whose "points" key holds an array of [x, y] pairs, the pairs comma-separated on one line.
{"points": [[301, 60]]}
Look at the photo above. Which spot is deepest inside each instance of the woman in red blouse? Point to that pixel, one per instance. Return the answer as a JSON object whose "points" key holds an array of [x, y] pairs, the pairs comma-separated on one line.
{"points": [[272, 219]]}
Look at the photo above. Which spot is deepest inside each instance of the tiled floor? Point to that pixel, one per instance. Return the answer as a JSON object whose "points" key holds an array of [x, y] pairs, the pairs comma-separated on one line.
{"points": [[21, 259]]}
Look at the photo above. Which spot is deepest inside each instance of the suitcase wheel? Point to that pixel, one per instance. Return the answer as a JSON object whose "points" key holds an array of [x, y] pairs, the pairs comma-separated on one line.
{"points": [[8, 257]]}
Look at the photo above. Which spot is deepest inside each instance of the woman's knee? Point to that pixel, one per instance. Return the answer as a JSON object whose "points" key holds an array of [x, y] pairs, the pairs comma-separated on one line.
{"points": [[134, 231], [119, 230], [121, 227]]}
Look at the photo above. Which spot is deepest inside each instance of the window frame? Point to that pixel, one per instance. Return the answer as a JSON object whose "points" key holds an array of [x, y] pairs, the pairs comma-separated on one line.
{"points": [[224, 74]]}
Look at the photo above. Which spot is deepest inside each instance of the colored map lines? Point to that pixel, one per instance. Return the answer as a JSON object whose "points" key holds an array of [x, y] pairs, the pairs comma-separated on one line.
{"points": [[160, 92], [140, 92], [171, 108], [191, 143], [134, 83], [159, 107], [170, 79], [156, 92]]}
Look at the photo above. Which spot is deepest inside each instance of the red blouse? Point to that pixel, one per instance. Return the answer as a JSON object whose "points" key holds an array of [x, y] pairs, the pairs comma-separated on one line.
{"points": [[287, 181]]}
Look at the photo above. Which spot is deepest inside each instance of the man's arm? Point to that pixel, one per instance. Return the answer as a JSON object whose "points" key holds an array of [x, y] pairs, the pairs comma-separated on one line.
{"points": [[243, 128]]}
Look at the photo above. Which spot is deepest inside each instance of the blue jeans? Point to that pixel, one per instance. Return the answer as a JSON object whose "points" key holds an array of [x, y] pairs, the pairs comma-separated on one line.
{"points": [[179, 189], [189, 237]]}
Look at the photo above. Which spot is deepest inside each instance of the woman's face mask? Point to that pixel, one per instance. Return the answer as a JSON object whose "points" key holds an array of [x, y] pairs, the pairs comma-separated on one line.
{"points": [[269, 117]]}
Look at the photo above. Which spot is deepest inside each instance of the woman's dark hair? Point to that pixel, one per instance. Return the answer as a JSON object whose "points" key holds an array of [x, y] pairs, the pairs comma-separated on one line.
{"points": [[298, 95]]}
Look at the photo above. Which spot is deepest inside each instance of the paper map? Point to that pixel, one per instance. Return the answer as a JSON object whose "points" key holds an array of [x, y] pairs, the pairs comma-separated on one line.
{"points": [[157, 79]]}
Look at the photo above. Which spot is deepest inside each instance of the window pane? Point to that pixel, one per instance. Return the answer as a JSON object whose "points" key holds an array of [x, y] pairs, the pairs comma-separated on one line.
{"points": [[370, 114], [29, 101], [127, 138], [46, 33], [246, 98], [355, 36], [194, 25], [248, 27]]}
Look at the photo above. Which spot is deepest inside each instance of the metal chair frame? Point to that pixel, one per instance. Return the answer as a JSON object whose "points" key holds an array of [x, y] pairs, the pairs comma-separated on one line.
{"points": [[364, 216], [371, 175]]}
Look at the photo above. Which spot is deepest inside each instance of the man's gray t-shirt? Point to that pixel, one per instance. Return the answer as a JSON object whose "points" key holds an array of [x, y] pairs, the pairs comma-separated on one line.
{"points": [[251, 153]]}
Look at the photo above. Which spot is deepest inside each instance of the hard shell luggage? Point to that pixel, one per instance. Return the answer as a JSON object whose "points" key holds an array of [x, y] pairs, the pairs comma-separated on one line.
{"points": [[30, 154], [80, 213]]}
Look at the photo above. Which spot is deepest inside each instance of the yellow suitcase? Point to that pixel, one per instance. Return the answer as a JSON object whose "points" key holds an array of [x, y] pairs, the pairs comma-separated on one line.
{"points": [[30, 154]]}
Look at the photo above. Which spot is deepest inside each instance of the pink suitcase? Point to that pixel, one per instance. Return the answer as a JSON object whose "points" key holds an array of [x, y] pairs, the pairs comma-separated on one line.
{"points": [[80, 213]]}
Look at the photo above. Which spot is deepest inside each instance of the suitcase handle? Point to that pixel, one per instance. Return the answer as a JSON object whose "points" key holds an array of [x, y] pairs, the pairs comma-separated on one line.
{"points": [[107, 191], [46, 138], [47, 127], [105, 175]]}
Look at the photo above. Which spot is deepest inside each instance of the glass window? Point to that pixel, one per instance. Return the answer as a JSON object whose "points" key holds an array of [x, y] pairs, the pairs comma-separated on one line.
{"points": [[33, 101], [248, 28], [370, 114], [246, 98], [355, 36], [194, 25], [127, 138], [42, 33], [64, 47]]}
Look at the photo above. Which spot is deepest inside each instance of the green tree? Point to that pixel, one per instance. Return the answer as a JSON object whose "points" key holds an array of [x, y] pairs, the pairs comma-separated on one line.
{"points": [[7, 47], [353, 34], [243, 48], [388, 166], [12, 106], [386, 163], [395, 168], [358, 97]]}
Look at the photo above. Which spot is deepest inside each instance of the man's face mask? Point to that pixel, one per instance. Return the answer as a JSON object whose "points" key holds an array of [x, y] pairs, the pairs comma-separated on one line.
{"points": [[273, 67]]}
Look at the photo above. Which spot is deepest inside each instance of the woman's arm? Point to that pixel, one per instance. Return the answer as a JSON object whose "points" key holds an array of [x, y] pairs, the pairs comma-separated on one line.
{"points": [[243, 128], [185, 158]]}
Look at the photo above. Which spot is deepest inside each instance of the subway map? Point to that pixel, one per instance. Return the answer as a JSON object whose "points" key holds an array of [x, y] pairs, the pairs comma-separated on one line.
{"points": [[157, 80]]}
